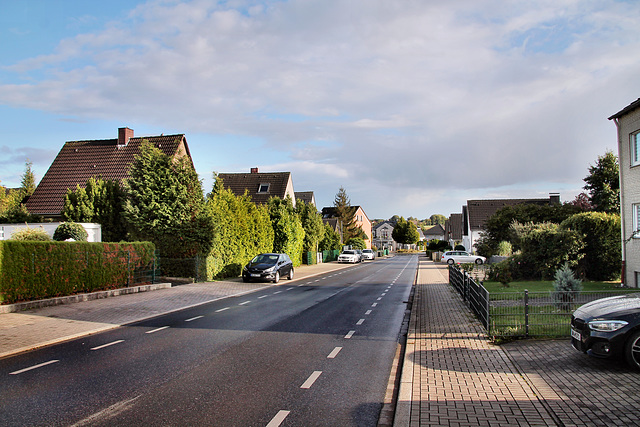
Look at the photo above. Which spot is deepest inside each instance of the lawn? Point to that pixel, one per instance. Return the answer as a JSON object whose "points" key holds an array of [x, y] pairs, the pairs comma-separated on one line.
{"points": [[547, 285]]}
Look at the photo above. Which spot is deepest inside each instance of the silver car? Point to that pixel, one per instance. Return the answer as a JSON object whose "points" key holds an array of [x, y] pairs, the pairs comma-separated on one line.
{"points": [[368, 254], [462, 257]]}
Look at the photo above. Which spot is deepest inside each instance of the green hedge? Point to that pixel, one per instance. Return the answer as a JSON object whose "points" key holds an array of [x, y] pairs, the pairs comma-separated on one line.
{"points": [[36, 270]]}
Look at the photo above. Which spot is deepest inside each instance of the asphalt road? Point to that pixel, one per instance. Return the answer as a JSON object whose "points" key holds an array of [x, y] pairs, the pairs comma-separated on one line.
{"points": [[317, 352]]}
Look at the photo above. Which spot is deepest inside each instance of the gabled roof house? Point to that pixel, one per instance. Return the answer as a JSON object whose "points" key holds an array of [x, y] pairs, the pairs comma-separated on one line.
{"points": [[360, 220], [306, 196], [109, 159], [477, 212], [260, 186]]}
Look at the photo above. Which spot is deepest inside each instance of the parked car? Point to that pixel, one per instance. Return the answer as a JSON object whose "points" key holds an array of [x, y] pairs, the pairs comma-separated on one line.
{"points": [[609, 327], [268, 267], [368, 254], [349, 255], [462, 257]]}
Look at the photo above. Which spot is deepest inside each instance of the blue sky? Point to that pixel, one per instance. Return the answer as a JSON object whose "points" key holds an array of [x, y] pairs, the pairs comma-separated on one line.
{"points": [[413, 107]]}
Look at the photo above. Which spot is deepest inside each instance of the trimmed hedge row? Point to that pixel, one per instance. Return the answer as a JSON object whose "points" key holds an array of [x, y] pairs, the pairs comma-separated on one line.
{"points": [[36, 270]]}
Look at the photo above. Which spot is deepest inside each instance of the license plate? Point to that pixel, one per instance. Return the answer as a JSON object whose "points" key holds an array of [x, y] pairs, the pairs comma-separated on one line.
{"points": [[575, 334], [255, 275]]}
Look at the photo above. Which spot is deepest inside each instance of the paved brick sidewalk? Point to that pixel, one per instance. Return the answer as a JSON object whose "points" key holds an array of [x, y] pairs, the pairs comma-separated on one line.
{"points": [[35, 328], [452, 375]]}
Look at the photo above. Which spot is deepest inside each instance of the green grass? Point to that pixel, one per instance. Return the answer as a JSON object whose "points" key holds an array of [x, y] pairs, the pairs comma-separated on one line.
{"points": [[547, 285]]}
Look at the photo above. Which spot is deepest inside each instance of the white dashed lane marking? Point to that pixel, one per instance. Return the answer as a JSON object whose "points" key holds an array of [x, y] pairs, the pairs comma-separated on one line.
{"points": [[194, 318], [312, 378], [157, 330], [34, 367], [100, 347], [278, 419], [350, 334], [334, 353]]}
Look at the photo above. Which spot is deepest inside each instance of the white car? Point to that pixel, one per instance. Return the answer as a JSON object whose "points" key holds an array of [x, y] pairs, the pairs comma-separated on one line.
{"points": [[368, 254], [349, 256], [462, 257]]}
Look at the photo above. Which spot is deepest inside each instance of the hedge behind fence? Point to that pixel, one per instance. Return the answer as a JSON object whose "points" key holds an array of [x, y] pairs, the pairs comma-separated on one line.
{"points": [[37, 270]]}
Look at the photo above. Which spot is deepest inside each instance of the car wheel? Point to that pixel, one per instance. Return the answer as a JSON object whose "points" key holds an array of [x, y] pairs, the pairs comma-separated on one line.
{"points": [[245, 279], [291, 274], [632, 351], [478, 261], [276, 278], [450, 261]]}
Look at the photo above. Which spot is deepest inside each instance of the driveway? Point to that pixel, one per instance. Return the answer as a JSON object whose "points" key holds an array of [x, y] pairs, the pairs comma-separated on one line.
{"points": [[578, 389]]}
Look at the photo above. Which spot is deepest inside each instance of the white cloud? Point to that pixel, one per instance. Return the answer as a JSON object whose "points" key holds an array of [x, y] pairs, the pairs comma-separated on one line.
{"points": [[463, 95]]}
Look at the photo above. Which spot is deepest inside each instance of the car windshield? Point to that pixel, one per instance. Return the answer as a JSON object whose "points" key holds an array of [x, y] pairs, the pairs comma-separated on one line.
{"points": [[265, 259], [367, 251], [349, 252]]}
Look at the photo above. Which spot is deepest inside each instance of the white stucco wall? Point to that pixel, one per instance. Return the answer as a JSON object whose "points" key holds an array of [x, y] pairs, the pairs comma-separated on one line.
{"points": [[94, 231]]}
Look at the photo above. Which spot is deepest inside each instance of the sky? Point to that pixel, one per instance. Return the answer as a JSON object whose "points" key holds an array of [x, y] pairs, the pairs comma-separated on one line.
{"points": [[412, 106]]}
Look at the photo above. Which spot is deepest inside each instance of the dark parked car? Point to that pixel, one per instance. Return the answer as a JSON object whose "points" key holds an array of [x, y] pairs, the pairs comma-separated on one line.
{"points": [[609, 327], [268, 267]]}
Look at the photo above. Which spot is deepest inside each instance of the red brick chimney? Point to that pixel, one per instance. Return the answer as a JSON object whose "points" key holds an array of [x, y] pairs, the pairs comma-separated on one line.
{"points": [[124, 135], [254, 170]]}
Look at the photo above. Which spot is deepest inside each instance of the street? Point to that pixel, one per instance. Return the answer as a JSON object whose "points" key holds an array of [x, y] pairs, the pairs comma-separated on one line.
{"points": [[311, 352]]}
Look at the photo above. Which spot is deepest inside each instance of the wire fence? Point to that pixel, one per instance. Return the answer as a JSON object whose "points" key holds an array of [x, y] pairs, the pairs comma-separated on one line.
{"points": [[522, 314]]}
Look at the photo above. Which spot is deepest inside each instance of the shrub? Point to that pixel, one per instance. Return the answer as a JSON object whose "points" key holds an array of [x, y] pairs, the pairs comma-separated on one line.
{"points": [[501, 272], [505, 249], [28, 233], [460, 248], [565, 286], [70, 230], [356, 243]]}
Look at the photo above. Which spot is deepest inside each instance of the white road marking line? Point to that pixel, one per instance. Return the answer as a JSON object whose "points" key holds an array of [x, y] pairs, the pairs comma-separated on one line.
{"points": [[276, 292], [278, 419], [34, 367], [374, 304], [156, 330], [243, 303], [194, 318], [106, 345], [312, 378], [263, 296], [379, 298], [288, 289], [383, 294], [222, 309], [368, 312], [360, 322], [350, 334], [334, 353]]}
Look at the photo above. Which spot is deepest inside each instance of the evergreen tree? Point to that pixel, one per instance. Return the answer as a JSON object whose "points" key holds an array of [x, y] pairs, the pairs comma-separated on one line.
{"points": [[288, 233], [164, 203], [405, 232], [603, 184], [345, 213], [28, 181], [331, 239], [565, 287], [312, 224]]}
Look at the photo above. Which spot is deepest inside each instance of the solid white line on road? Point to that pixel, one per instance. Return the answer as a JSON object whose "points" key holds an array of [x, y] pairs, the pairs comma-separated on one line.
{"points": [[278, 419], [350, 334], [374, 304], [222, 309], [334, 353], [34, 367], [107, 345], [360, 322], [368, 312], [194, 318], [263, 296], [312, 378], [243, 303], [156, 330]]}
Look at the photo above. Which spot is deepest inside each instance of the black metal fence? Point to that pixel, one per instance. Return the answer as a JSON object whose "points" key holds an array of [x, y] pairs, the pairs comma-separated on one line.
{"points": [[522, 314]]}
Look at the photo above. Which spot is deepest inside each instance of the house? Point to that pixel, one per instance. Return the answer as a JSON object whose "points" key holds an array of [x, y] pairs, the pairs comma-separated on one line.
{"points": [[109, 159], [477, 212], [360, 219], [627, 123], [382, 236], [306, 196], [260, 186], [453, 229], [434, 232]]}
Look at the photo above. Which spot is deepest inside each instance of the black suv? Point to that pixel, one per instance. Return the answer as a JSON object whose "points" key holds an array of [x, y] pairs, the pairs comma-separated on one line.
{"points": [[268, 267]]}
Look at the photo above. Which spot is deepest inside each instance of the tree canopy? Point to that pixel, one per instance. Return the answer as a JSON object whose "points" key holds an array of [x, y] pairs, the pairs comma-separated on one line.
{"points": [[405, 232], [603, 184]]}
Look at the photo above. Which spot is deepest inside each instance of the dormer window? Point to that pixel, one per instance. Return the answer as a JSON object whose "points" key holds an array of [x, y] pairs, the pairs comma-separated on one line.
{"points": [[263, 188]]}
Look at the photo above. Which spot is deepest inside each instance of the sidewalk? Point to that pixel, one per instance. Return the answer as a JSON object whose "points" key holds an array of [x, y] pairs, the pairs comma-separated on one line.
{"points": [[452, 375], [31, 329]]}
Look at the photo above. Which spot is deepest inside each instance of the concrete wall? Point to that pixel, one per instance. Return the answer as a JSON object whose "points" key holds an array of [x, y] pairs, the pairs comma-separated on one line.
{"points": [[94, 231]]}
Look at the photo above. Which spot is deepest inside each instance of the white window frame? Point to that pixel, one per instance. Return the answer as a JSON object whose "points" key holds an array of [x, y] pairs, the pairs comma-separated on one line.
{"points": [[636, 221], [634, 148], [268, 185]]}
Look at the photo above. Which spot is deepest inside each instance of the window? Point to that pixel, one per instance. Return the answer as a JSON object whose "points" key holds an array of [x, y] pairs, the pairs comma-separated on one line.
{"points": [[635, 149], [263, 188], [636, 220]]}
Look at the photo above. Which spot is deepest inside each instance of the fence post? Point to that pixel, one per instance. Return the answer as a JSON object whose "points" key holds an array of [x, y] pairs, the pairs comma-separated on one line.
{"points": [[526, 313], [128, 268]]}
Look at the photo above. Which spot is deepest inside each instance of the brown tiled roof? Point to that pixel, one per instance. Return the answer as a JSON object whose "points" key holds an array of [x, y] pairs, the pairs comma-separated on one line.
{"points": [[436, 230], [78, 161], [239, 182], [330, 212], [481, 210], [629, 108], [305, 196], [455, 226]]}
